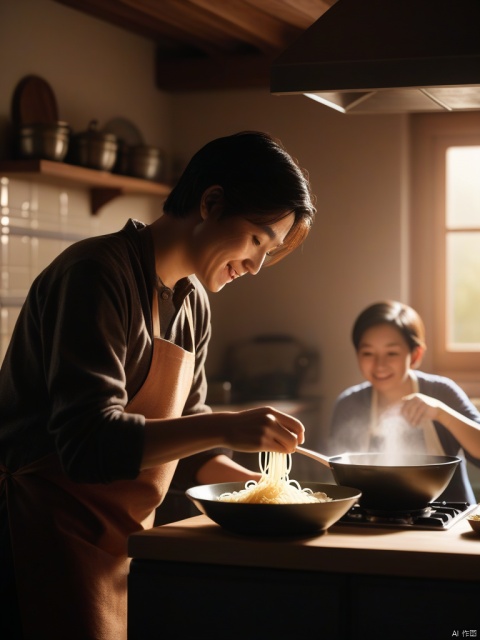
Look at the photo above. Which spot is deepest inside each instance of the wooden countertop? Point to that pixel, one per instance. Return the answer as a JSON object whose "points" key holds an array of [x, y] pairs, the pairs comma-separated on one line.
{"points": [[292, 406], [453, 554]]}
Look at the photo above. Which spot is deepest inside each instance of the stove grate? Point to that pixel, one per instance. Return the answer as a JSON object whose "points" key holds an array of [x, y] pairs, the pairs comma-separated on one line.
{"points": [[437, 516]]}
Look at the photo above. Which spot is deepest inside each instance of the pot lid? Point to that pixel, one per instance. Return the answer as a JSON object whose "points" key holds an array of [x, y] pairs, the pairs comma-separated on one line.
{"points": [[92, 133]]}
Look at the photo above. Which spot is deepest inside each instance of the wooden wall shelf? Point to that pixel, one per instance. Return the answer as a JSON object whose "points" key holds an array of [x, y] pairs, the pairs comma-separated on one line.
{"points": [[103, 185]]}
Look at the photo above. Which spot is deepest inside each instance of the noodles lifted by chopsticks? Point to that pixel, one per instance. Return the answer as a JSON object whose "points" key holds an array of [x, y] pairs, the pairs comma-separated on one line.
{"points": [[274, 487]]}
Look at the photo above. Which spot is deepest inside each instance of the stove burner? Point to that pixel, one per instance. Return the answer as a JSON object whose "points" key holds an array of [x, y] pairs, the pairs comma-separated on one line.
{"points": [[437, 516], [396, 517]]}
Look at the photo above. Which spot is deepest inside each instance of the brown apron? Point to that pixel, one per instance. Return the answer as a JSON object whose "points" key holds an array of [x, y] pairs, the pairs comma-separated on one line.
{"points": [[70, 540]]}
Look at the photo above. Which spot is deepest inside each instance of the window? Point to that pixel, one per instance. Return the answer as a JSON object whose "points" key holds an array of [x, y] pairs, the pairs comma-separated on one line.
{"points": [[462, 248], [445, 238]]}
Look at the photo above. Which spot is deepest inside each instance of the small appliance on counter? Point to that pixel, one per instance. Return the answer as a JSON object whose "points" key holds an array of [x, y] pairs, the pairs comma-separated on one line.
{"points": [[269, 367]]}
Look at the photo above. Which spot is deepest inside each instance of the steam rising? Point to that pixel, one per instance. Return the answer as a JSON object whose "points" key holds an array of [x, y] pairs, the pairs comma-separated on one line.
{"points": [[393, 436]]}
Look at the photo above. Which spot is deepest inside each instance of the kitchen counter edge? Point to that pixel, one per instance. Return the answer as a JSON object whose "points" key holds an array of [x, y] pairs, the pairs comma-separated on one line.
{"points": [[453, 554]]}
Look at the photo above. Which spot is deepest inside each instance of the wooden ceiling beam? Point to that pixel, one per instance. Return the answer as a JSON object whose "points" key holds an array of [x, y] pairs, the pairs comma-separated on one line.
{"points": [[210, 44], [205, 74]]}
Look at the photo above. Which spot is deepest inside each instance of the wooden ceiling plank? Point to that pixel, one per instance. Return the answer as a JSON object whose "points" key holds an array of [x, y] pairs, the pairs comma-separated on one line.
{"points": [[114, 13], [313, 9], [176, 21], [299, 13], [137, 21], [248, 22], [190, 24]]}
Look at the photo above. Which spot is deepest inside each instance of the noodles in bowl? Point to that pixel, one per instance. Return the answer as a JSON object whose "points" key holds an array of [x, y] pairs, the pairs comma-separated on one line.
{"points": [[275, 486], [275, 505]]}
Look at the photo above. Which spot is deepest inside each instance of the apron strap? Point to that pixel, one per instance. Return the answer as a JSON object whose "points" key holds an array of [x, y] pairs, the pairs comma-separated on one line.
{"points": [[155, 315], [432, 441]]}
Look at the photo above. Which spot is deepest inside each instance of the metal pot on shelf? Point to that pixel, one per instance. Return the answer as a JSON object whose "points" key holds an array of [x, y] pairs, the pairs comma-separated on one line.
{"points": [[94, 149], [45, 141], [146, 162]]}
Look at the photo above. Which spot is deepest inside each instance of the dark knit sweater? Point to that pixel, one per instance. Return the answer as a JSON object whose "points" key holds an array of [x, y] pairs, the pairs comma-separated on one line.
{"points": [[82, 347]]}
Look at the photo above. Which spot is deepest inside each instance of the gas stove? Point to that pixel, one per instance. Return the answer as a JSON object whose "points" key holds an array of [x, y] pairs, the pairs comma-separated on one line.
{"points": [[438, 516]]}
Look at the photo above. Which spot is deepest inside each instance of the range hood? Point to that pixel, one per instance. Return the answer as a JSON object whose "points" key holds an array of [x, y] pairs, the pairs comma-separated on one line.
{"points": [[387, 56]]}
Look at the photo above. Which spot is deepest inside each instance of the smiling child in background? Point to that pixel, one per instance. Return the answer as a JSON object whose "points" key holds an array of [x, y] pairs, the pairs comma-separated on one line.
{"points": [[399, 408]]}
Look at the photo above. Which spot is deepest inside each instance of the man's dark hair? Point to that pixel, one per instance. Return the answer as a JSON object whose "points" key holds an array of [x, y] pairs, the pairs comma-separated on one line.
{"points": [[259, 179]]}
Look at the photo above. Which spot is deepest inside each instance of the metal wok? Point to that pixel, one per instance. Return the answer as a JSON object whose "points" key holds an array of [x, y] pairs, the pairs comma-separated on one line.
{"points": [[403, 483], [273, 519]]}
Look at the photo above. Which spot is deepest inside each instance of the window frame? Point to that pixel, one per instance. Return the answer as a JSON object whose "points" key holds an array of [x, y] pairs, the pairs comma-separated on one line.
{"points": [[431, 136]]}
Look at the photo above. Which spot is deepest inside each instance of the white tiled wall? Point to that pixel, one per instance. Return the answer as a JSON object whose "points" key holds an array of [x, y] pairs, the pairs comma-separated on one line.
{"points": [[38, 221]]}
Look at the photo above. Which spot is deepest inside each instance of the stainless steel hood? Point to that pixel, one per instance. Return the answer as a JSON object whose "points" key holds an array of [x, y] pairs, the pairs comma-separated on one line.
{"points": [[387, 56]]}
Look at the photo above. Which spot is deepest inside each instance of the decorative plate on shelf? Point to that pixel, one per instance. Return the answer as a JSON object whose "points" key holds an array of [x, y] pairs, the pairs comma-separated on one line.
{"points": [[124, 130]]}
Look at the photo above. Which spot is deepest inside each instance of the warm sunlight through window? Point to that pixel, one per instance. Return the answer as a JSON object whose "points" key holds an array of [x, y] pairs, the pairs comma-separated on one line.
{"points": [[445, 239], [462, 247]]}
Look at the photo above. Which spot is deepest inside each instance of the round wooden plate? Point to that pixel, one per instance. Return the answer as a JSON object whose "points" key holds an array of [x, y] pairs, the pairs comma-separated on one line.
{"points": [[34, 102]]}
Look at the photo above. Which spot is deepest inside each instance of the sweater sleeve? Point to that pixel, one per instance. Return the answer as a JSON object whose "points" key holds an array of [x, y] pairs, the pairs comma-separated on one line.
{"points": [[453, 396], [85, 322]]}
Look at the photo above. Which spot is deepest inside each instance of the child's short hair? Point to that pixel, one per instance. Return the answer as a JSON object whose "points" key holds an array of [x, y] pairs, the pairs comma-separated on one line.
{"points": [[395, 314]]}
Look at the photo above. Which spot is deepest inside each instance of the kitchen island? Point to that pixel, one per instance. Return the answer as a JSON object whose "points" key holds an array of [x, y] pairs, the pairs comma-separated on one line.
{"points": [[192, 579]]}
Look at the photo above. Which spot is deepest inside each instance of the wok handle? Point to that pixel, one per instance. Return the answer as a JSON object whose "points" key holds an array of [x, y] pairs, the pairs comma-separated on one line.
{"points": [[325, 460]]}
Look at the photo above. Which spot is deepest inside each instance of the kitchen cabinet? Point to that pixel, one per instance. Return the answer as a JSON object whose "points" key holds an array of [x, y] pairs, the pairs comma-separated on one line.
{"points": [[103, 185], [192, 579]]}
